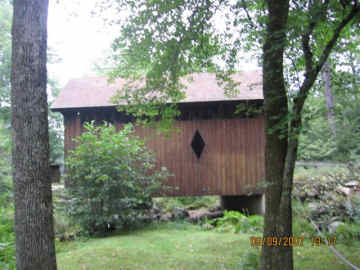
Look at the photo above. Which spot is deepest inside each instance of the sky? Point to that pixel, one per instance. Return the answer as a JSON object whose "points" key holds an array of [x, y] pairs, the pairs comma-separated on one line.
{"points": [[77, 38]]}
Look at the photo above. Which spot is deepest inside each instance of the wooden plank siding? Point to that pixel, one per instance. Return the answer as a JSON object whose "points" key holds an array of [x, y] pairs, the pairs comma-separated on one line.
{"points": [[232, 162]]}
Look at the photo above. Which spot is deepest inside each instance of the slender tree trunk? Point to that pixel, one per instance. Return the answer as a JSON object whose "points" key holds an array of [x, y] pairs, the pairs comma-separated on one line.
{"points": [[34, 232], [276, 112], [326, 77], [355, 74]]}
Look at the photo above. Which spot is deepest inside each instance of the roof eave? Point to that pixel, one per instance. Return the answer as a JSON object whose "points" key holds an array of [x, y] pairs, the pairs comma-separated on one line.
{"points": [[60, 109]]}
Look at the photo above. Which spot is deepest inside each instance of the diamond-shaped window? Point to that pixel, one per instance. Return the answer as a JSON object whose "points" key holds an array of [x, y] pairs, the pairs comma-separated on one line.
{"points": [[197, 144]]}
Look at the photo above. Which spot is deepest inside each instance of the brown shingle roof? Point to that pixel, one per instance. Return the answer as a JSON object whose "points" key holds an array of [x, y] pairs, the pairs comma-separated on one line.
{"points": [[96, 92]]}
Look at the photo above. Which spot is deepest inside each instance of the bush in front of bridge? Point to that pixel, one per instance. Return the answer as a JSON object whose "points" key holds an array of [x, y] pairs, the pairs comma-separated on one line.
{"points": [[236, 222], [112, 178]]}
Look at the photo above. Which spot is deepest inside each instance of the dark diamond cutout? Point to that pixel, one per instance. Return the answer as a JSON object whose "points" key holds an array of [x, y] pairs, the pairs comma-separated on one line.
{"points": [[197, 144]]}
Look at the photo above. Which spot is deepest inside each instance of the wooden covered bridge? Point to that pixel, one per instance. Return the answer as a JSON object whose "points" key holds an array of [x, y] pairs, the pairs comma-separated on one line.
{"points": [[214, 151]]}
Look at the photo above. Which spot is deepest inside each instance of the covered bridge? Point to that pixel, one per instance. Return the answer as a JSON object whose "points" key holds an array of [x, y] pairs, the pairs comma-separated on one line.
{"points": [[214, 151]]}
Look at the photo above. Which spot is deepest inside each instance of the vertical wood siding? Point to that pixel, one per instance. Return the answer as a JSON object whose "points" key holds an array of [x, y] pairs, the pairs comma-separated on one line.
{"points": [[232, 162]]}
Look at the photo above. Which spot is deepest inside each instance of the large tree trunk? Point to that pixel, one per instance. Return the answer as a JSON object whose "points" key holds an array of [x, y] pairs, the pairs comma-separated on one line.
{"points": [[34, 232], [276, 113]]}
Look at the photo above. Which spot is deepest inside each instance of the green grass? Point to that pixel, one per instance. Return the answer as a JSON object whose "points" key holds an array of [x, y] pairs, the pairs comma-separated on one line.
{"points": [[321, 258], [183, 246]]}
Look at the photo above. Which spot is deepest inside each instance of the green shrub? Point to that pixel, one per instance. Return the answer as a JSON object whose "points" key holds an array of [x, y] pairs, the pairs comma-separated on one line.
{"points": [[236, 222], [348, 232], [7, 240], [5, 165], [187, 202], [112, 176]]}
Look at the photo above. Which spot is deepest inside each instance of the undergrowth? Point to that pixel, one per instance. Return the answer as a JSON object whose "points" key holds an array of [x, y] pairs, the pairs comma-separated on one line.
{"points": [[236, 222], [7, 240]]}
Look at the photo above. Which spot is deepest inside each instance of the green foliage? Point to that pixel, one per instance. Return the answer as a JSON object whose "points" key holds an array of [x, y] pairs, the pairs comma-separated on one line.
{"points": [[163, 42], [5, 57], [191, 202], [301, 225], [7, 240], [159, 43], [166, 40], [55, 120], [195, 202], [236, 222], [179, 38], [348, 232], [353, 207], [56, 138], [317, 141], [112, 176], [5, 163], [5, 51]]}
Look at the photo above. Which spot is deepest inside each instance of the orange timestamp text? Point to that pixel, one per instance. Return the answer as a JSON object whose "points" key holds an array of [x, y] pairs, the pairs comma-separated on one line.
{"points": [[277, 241], [289, 241]]}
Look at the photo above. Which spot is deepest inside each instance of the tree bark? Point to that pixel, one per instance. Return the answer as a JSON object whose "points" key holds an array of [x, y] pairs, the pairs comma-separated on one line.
{"points": [[326, 77], [355, 74], [34, 231], [276, 129]]}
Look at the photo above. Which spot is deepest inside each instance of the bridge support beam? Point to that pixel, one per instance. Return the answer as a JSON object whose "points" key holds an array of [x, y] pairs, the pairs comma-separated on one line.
{"points": [[252, 204]]}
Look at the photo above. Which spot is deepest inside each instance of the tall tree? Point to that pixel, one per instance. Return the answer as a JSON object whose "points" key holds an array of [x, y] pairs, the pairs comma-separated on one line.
{"points": [[326, 77], [34, 231], [278, 215], [168, 39], [283, 130]]}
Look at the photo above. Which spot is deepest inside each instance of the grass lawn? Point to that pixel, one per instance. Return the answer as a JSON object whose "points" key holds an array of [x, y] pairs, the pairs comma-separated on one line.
{"points": [[183, 246]]}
